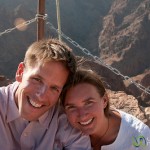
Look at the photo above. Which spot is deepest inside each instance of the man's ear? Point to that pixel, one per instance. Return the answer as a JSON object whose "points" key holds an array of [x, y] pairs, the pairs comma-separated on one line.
{"points": [[105, 100], [19, 72]]}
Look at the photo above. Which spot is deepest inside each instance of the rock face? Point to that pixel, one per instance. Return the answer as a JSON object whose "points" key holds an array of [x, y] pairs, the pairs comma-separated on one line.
{"points": [[111, 80], [124, 44], [124, 39], [144, 80], [129, 104]]}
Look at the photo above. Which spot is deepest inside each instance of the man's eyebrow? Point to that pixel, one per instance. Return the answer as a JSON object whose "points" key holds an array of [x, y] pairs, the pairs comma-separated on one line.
{"points": [[54, 85], [37, 75], [57, 86]]}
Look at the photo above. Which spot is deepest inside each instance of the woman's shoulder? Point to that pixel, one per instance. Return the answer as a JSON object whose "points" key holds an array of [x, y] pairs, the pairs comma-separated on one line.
{"points": [[131, 122]]}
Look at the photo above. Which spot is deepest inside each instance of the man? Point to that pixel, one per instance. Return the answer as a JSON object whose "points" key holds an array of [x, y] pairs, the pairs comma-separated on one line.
{"points": [[30, 117]]}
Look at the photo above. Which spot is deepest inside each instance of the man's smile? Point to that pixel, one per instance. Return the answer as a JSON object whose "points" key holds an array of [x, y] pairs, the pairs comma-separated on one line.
{"points": [[34, 104]]}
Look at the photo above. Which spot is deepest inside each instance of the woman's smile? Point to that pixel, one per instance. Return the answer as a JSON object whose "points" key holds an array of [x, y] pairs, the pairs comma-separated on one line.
{"points": [[85, 123]]}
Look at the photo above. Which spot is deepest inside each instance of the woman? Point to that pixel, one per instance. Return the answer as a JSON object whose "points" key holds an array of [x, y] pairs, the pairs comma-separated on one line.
{"points": [[87, 106]]}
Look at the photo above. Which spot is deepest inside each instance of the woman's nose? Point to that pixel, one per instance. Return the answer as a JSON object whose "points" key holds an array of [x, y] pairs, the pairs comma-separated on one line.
{"points": [[81, 112]]}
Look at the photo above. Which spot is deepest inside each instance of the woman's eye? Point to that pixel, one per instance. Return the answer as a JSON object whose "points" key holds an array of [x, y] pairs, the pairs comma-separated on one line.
{"points": [[70, 108], [89, 103]]}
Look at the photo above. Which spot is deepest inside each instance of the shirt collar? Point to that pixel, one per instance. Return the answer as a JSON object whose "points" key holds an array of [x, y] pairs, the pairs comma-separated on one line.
{"points": [[46, 118]]}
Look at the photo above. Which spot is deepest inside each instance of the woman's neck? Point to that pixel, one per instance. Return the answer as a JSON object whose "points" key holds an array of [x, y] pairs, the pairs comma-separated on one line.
{"points": [[108, 133], [98, 139]]}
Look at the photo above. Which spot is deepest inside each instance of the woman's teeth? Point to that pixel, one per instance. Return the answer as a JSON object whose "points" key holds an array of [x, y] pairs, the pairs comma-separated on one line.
{"points": [[34, 104], [87, 122]]}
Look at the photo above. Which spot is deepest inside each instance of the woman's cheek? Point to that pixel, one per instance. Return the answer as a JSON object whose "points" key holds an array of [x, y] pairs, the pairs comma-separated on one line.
{"points": [[71, 116]]}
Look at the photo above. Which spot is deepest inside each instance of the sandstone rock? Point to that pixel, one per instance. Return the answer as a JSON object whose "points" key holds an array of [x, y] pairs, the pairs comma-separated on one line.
{"points": [[129, 104], [124, 39], [144, 80]]}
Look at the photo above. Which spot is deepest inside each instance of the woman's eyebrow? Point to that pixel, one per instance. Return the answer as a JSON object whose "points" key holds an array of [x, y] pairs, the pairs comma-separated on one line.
{"points": [[88, 99], [85, 100]]}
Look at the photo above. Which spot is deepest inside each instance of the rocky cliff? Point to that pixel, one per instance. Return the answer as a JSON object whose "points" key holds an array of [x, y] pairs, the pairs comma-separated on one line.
{"points": [[124, 39], [124, 44]]}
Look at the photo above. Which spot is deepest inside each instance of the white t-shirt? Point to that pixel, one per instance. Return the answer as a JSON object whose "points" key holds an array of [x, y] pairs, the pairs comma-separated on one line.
{"points": [[133, 135]]}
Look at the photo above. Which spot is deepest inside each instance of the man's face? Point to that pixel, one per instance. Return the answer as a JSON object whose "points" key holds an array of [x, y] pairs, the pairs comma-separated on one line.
{"points": [[39, 88]]}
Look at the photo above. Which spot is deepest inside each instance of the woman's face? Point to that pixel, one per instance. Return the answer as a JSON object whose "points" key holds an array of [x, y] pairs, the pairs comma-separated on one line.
{"points": [[85, 108]]}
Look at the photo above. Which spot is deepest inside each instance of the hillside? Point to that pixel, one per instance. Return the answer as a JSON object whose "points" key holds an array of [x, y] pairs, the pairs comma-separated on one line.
{"points": [[124, 43], [124, 39]]}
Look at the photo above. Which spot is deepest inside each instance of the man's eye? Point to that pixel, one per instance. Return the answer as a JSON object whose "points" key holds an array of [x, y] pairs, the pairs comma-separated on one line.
{"points": [[55, 89], [37, 79]]}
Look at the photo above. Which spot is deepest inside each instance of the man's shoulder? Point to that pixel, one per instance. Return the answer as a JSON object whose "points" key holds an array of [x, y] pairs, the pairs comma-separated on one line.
{"points": [[10, 87], [6, 93], [61, 114]]}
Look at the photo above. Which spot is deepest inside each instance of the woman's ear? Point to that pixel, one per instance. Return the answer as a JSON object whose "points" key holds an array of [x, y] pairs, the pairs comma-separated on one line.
{"points": [[19, 72], [105, 100]]}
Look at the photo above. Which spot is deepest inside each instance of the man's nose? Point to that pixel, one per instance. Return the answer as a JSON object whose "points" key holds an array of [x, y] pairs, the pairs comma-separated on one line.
{"points": [[42, 92]]}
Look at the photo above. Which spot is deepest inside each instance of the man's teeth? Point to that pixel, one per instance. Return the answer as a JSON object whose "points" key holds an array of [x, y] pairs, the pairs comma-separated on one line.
{"points": [[87, 122], [35, 104]]}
